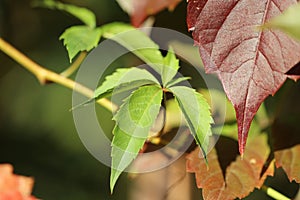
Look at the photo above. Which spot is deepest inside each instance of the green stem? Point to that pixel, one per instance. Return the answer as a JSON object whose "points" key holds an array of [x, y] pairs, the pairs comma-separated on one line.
{"points": [[75, 65], [273, 193], [44, 75]]}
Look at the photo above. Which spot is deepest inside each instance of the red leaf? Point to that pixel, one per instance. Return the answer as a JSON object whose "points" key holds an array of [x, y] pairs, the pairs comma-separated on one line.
{"points": [[250, 64], [141, 9], [14, 187], [242, 175], [289, 160]]}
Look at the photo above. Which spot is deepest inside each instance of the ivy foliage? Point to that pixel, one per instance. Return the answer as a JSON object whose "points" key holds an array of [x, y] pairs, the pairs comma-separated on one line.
{"points": [[140, 109]]}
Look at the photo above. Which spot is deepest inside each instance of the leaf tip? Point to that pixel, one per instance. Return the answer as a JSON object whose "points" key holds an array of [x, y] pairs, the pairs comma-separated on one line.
{"points": [[113, 179], [81, 104], [203, 154], [242, 138], [241, 148], [242, 156], [206, 163]]}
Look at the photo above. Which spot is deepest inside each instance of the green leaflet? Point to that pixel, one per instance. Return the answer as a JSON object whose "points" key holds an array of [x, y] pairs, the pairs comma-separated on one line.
{"points": [[124, 151], [76, 38], [80, 38], [196, 112], [125, 79], [133, 123], [176, 81], [137, 42], [122, 80], [171, 66], [83, 14], [112, 29], [288, 21]]}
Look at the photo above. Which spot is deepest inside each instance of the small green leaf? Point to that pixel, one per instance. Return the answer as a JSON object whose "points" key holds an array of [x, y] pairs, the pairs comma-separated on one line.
{"points": [[288, 21], [124, 150], [196, 112], [80, 38], [83, 14], [125, 79], [112, 29], [137, 42], [136, 114], [171, 66], [133, 123], [176, 81]]}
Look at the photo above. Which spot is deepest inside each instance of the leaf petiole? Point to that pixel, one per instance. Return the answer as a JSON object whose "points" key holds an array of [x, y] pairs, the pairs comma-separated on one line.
{"points": [[75, 65]]}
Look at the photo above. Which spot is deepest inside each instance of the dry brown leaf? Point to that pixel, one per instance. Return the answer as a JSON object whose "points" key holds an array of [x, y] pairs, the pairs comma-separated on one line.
{"points": [[289, 160], [242, 175]]}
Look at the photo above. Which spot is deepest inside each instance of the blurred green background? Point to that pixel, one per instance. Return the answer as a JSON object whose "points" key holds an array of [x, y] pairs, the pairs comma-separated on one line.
{"points": [[37, 133]]}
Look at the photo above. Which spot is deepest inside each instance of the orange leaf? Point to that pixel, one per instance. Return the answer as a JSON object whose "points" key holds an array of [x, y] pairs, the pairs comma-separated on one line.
{"points": [[242, 175], [289, 160], [14, 187]]}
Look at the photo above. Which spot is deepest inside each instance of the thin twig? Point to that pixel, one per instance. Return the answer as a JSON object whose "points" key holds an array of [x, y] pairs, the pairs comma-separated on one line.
{"points": [[44, 75]]}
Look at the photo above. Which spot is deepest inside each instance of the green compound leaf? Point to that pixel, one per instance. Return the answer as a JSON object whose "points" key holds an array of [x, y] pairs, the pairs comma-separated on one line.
{"points": [[133, 123], [170, 69], [83, 14], [80, 38], [196, 112], [125, 79], [288, 21], [135, 41]]}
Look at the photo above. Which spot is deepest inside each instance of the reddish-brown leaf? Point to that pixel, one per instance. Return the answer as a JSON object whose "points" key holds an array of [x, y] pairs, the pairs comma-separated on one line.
{"points": [[14, 187], [250, 64], [242, 175], [289, 160], [141, 9]]}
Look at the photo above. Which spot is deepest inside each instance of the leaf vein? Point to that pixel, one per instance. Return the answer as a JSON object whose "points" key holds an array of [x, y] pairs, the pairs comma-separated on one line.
{"points": [[220, 28]]}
